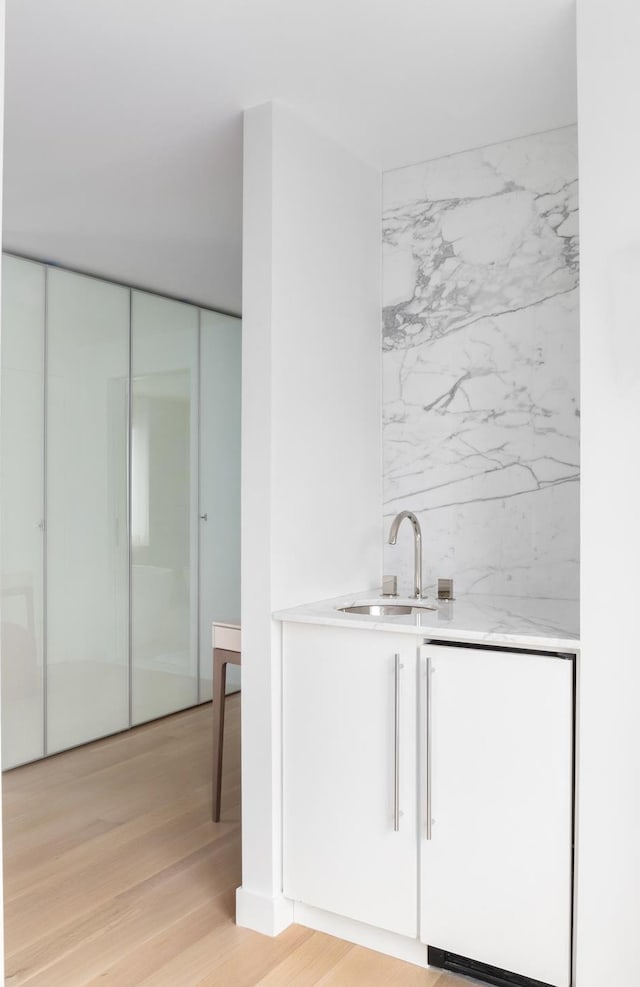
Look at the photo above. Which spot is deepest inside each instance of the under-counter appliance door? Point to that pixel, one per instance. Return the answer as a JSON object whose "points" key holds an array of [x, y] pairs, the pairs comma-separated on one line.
{"points": [[496, 862]]}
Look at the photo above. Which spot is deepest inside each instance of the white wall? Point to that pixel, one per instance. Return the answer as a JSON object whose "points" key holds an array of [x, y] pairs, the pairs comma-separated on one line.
{"points": [[311, 458], [2, 10], [609, 777]]}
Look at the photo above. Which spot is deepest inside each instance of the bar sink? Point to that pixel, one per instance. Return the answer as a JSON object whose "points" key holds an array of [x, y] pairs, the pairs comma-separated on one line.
{"points": [[387, 609]]}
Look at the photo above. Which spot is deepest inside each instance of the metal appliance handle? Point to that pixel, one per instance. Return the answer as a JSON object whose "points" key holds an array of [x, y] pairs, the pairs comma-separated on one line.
{"points": [[427, 760], [396, 750]]}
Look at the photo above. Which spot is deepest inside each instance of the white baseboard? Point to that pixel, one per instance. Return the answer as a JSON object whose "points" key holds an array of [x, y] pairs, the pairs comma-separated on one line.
{"points": [[270, 916], [390, 943]]}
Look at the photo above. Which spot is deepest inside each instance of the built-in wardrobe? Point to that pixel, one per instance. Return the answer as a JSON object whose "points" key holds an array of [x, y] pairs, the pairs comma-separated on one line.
{"points": [[119, 502]]}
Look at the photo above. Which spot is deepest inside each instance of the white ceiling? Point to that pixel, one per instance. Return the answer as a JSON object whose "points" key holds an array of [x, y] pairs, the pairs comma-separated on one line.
{"points": [[123, 148]]}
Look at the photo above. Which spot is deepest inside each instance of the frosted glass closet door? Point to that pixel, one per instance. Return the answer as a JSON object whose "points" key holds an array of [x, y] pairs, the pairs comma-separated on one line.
{"points": [[22, 509], [220, 372], [87, 540], [164, 506]]}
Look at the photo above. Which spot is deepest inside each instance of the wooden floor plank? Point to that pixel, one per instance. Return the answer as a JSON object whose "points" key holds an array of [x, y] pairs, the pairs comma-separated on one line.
{"points": [[364, 968], [227, 955], [116, 876], [307, 964], [121, 924], [154, 953]]}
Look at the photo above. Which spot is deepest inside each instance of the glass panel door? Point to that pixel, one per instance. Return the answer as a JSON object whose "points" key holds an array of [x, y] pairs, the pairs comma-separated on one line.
{"points": [[87, 539], [22, 509], [164, 506], [220, 370]]}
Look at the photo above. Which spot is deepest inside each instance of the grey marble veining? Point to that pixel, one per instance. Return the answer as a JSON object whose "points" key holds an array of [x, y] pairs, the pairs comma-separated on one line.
{"points": [[537, 624], [480, 365]]}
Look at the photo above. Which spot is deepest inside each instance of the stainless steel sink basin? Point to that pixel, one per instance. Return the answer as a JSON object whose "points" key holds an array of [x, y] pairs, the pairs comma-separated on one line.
{"points": [[387, 609]]}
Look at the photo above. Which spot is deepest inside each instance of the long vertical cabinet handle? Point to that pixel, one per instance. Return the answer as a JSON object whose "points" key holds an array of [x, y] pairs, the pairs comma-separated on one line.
{"points": [[396, 748], [427, 759]]}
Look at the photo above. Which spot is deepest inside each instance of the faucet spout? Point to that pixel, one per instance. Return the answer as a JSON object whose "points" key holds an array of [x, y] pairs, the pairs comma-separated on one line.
{"points": [[417, 546]]}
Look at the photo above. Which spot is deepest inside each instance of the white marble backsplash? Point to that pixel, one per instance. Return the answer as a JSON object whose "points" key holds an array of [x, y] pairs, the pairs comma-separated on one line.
{"points": [[480, 366]]}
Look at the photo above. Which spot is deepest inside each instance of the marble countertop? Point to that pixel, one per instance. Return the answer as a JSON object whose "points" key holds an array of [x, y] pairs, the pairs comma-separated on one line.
{"points": [[538, 624]]}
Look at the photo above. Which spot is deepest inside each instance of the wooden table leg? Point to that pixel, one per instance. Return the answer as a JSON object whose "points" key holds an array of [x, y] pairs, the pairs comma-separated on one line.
{"points": [[221, 658], [219, 682]]}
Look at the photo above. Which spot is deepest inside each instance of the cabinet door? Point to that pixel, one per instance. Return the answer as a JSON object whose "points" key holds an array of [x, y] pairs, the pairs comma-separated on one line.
{"points": [[219, 475], [164, 506], [341, 851], [496, 881], [22, 509], [87, 613]]}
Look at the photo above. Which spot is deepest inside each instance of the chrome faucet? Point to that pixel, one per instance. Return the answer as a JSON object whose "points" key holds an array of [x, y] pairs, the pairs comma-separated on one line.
{"points": [[417, 543]]}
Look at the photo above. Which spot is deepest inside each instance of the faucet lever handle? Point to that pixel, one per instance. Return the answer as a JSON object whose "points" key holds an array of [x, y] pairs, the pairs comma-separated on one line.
{"points": [[389, 585]]}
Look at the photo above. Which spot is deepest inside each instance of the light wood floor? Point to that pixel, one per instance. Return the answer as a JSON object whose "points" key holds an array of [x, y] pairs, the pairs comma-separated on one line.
{"points": [[116, 876]]}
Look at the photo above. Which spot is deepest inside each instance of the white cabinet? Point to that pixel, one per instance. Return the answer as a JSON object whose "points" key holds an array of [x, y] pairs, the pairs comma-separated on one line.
{"points": [[342, 729], [496, 874], [120, 425], [484, 750]]}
